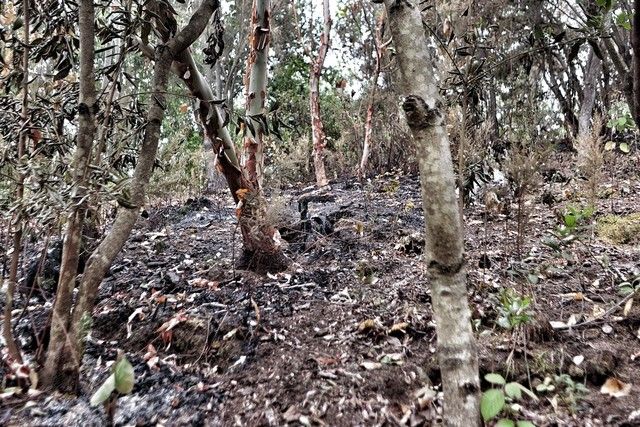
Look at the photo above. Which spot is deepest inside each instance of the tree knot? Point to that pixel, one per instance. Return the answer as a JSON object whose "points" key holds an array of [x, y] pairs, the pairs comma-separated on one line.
{"points": [[419, 114], [447, 269], [86, 110]]}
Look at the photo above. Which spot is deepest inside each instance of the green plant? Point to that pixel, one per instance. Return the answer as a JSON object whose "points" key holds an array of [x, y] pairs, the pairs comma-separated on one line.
{"points": [[629, 287], [500, 401], [121, 380], [566, 390], [575, 225], [621, 120], [514, 309]]}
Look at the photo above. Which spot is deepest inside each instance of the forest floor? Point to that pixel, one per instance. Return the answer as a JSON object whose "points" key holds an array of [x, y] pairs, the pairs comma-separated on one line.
{"points": [[346, 336]]}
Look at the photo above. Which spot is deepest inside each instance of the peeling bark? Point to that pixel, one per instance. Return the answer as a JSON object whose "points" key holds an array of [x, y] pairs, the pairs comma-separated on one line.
{"points": [[256, 96], [444, 240], [317, 127]]}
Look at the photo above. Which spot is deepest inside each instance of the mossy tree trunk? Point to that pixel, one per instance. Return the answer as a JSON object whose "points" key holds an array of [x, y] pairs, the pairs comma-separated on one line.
{"points": [[444, 238]]}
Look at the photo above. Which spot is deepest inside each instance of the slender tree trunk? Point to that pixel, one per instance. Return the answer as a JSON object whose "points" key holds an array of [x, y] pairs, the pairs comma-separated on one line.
{"points": [[591, 78], [7, 329], [635, 43], [317, 127], [444, 249], [256, 96], [368, 125], [60, 347], [65, 350]]}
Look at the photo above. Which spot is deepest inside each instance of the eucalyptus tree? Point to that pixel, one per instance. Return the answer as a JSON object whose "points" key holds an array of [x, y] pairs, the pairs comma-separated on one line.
{"points": [[444, 250], [64, 354]]}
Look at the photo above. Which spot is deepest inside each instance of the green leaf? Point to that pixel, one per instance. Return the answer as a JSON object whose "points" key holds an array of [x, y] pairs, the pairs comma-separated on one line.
{"points": [[104, 391], [491, 403], [624, 147], [524, 423], [504, 422], [528, 392], [124, 376], [513, 390], [495, 379]]}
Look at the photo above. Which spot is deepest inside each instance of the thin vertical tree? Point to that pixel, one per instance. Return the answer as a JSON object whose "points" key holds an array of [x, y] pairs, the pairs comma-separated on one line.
{"points": [[444, 250], [635, 43], [18, 222], [318, 135], [256, 95], [379, 48]]}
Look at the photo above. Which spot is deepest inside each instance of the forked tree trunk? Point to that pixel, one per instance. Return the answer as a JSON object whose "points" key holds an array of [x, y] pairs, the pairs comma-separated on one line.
{"points": [[59, 350], [256, 95], [64, 354], [7, 329], [317, 127], [263, 247], [444, 248]]}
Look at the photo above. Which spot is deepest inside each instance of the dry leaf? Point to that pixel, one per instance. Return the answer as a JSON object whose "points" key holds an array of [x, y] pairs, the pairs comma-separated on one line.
{"points": [[399, 328], [370, 325], [616, 388], [627, 307], [370, 366]]}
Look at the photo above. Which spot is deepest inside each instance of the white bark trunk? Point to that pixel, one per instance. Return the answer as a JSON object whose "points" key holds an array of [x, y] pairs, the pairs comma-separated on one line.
{"points": [[444, 248]]}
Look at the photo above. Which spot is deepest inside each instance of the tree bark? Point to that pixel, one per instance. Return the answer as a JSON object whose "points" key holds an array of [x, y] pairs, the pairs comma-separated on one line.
{"points": [[368, 125], [64, 354], [256, 96], [7, 329], [60, 346], [635, 43], [591, 78], [444, 241], [317, 127]]}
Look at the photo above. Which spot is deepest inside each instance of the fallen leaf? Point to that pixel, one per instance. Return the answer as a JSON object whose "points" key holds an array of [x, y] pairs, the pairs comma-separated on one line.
{"points": [[370, 325], [627, 307], [616, 388], [399, 328], [370, 365]]}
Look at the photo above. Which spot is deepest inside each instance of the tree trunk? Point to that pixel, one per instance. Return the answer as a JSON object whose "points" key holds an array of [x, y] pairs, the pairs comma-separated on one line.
{"points": [[64, 354], [444, 247], [60, 355], [635, 43], [368, 125], [263, 248], [317, 128], [7, 329], [256, 98], [591, 78]]}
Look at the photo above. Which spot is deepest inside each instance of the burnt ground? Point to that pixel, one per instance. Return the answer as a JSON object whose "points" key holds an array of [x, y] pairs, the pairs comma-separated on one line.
{"points": [[345, 336]]}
